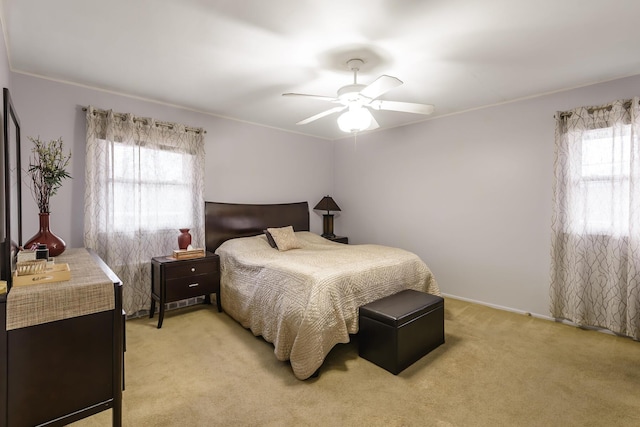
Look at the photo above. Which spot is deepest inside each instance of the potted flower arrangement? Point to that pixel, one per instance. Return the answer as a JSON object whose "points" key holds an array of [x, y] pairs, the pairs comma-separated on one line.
{"points": [[47, 169]]}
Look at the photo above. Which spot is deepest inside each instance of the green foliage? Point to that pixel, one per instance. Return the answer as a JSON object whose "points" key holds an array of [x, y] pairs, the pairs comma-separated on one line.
{"points": [[47, 167]]}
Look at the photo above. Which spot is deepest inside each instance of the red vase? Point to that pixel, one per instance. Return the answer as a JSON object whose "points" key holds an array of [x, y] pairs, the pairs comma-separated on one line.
{"points": [[184, 239], [55, 244]]}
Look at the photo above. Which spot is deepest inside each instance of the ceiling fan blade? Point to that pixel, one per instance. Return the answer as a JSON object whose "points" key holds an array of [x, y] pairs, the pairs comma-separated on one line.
{"points": [[304, 95], [405, 107], [374, 124], [381, 85], [321, 115]]}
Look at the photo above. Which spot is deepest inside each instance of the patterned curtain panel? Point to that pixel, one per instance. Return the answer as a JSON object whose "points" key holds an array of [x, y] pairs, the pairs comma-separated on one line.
{"points": [[595, 277], [144, 181]]}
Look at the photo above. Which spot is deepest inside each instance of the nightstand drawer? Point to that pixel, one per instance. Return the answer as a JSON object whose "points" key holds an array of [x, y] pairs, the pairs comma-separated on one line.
{"points": [[182, 270], [191, 286]]}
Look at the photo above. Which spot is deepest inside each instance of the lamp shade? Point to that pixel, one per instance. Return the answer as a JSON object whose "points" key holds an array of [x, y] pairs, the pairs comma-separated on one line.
{"points": [[327, 204]]}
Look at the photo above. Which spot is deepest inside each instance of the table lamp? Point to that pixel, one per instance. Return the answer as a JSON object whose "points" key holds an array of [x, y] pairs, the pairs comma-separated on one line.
{"points": [[327, 204]]}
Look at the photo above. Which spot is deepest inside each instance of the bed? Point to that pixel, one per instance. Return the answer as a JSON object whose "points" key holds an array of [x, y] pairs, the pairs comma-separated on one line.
{"points": [[304, 300]]}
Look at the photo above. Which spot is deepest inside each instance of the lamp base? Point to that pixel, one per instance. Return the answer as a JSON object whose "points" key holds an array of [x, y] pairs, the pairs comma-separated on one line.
{"points": [[327, 226]]}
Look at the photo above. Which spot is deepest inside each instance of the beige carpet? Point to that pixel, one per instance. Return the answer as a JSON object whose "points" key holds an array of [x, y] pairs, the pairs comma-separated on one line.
{"points": [[495, 369]]}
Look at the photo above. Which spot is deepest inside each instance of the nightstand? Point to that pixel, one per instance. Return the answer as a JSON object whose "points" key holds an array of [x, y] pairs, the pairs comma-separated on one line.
{"points": [[339, 239], [175, 280]]}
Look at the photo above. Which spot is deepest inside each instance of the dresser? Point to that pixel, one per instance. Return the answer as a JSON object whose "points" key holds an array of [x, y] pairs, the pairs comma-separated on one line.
{"points": [[62, 346]]}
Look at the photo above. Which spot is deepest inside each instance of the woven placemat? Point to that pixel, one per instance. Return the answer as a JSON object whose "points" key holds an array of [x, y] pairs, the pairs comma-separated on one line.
{"points": [[89, 291]]}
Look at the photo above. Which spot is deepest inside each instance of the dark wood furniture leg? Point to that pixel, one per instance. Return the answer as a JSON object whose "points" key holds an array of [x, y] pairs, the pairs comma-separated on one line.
{"points": [[118, 358], [152, 311], [207, 300], [161, 316], [3, 361], [119, 342]]}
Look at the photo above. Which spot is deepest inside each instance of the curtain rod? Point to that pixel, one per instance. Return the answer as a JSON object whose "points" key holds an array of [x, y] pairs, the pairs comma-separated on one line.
{"points": [[626, 105], [144, 120]]}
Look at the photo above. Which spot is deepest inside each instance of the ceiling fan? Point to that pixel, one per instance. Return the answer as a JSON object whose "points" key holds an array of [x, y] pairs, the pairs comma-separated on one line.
{"points": [[358, 99]]}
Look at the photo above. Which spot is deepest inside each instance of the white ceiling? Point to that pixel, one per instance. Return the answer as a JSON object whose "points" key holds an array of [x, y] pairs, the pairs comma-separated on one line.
{"points": [[234, 58]]}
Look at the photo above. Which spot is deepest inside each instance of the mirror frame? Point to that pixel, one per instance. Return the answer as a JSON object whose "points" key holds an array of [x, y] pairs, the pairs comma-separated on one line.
{"points": [[12, 187]]}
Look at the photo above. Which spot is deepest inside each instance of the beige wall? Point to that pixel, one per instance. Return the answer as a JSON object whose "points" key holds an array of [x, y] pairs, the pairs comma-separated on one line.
{"points": [[469, 193], [5, 74], [244, 162]]}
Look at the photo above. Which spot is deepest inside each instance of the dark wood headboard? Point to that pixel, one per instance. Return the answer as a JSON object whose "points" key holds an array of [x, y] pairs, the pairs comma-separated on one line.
{"points": [[224, 221]]}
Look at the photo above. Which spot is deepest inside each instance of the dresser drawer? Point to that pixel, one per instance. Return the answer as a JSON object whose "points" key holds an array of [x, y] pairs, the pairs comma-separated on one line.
{"points": [[191, 286]]}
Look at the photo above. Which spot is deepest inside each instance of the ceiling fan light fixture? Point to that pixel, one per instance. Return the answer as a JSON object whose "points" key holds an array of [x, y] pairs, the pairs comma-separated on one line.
{"points": [[355, 120], [359, 98]]}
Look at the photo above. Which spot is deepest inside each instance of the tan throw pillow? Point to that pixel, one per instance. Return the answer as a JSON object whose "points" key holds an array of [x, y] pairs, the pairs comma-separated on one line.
{"points": [[285, 238]]}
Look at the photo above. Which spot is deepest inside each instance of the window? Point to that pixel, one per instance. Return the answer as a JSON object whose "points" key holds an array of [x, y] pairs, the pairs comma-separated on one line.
{"points": [[150, 191], [600, 202]]}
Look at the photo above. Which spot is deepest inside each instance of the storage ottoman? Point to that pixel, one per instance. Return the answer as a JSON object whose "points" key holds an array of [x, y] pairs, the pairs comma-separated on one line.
{"points": [[397, 330]]}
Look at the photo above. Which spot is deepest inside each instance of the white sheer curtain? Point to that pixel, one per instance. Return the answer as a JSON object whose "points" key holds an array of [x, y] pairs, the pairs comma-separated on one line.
{"points": [[596, 220], [144, 181]]}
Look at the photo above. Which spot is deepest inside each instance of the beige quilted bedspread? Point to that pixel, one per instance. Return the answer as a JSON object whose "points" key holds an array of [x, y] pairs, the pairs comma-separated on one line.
{"points": [[305, 301]]}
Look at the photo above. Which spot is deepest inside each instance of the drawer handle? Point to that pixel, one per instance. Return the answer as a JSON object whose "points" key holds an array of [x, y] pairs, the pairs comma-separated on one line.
{"points": [[193, 285], [193, 269]]}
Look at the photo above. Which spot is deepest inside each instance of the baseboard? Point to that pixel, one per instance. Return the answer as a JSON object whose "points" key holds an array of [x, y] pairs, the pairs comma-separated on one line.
{"points": [[536, 315], [499, 307]]}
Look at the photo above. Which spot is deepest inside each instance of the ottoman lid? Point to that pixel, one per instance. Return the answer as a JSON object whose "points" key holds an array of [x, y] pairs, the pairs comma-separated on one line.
{"points": [[400, 308]]}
